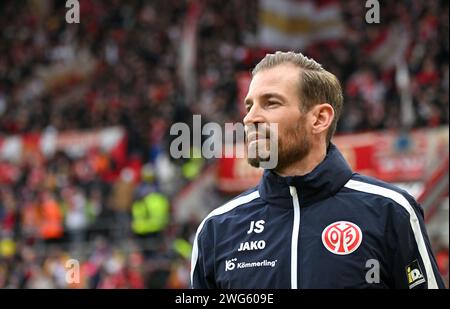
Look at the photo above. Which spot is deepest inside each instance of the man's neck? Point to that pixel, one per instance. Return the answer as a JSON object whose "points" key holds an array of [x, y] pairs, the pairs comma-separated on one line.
{"points": [[306, 165]]}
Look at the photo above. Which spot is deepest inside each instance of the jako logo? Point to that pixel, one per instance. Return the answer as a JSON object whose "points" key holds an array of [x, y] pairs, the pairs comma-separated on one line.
{"points": [[229, 264], [342, 237], [252, 245]]}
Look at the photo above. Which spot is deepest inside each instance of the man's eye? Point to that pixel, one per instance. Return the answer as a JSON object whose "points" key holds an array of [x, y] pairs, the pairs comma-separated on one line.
{"points": [[273, 103]]}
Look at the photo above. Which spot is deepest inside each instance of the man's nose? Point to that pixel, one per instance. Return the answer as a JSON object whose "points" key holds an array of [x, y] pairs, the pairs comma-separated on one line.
{"points": [[254, 115]]}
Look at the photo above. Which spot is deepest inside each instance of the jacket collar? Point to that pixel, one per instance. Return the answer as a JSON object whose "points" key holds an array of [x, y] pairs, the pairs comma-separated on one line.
{"points": [[325, 180]]}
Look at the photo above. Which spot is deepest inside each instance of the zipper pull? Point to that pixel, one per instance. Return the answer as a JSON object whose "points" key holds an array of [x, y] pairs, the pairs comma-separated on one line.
{"points": [[293, 191]]}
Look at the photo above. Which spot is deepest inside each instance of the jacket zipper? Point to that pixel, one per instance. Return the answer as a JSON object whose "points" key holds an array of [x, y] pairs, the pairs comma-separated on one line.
{"points": [[294, 242]]}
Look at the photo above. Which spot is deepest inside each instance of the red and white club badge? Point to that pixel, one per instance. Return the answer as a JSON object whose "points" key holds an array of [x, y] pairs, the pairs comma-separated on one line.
{"points": [[342, 237]]}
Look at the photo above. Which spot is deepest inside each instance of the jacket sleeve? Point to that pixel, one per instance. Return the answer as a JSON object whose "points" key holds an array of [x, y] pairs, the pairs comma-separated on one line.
{"points": [[202, 262], [413, 263]]}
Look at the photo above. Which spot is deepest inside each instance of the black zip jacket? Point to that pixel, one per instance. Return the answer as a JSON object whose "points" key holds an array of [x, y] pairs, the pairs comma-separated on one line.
{"points": [[330, 228]]}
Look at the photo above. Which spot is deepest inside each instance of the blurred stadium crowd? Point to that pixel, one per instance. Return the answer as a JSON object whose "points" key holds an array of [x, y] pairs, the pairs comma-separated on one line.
{"points": [[125, 56]]}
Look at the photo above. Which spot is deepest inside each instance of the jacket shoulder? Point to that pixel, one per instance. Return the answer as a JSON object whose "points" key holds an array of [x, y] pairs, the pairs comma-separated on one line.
{"points": [[379, 183], [227, 208], [390, 193]]}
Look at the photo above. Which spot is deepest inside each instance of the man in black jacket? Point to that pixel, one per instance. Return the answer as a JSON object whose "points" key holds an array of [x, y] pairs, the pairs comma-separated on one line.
{"points": [[311, 222]]}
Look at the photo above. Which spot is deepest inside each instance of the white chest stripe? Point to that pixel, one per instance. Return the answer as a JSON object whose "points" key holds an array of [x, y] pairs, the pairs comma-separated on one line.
{"points": [[414, 221], [294, 241], [218, 211]]}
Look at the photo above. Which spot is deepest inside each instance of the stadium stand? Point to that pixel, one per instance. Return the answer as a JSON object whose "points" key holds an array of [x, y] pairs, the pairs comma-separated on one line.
{"points": [[85, 111]]}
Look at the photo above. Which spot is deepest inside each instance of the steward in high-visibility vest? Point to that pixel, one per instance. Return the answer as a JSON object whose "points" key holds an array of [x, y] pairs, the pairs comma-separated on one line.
{"points": [[51, 219], [192, 168], [182, 247], [150, 214]]}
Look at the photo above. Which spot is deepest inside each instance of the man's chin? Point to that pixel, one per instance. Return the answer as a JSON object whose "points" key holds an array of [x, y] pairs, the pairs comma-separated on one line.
{"points": [[256, 162]]}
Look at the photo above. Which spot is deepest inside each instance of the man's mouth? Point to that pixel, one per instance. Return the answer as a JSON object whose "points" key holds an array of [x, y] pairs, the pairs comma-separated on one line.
{"points": [[256, 140], [254, 137]]}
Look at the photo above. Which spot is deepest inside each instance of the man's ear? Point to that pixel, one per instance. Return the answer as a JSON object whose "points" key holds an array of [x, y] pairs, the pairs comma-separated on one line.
{"points": [[323, 115]]}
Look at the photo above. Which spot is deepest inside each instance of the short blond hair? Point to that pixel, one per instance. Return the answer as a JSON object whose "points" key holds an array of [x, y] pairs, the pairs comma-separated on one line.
{"points": [[316, 85]]}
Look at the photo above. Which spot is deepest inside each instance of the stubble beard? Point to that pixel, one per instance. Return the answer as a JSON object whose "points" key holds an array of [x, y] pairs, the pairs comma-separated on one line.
{"points": [[293, 146]]}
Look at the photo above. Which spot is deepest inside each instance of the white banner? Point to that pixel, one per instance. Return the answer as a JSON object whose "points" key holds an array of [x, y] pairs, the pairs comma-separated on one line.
{"points": [[296, 24]]}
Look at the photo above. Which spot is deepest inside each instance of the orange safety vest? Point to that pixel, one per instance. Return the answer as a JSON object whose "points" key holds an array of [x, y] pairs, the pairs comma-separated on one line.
{"points": [[52, 220]]}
